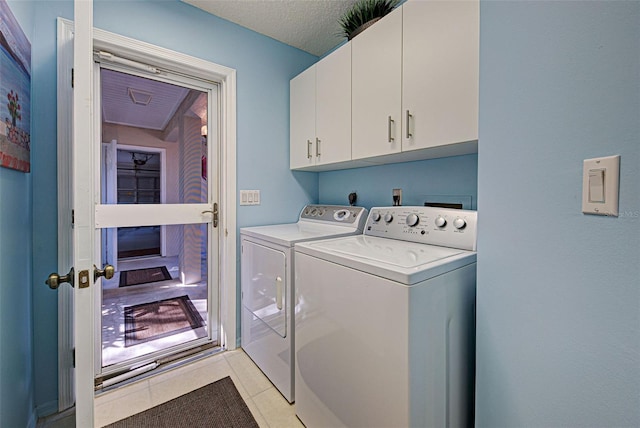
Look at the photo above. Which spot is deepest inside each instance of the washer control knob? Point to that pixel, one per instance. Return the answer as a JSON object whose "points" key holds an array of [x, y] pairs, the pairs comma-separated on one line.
{"points": [[388, 217], [441, 221], [412, 220], [340, 215], [459, 223], [375, 216]]}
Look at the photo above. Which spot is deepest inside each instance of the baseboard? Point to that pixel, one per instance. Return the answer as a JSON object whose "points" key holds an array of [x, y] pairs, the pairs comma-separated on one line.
{"points": [[47, 409], [33, 420], [52, 420]]}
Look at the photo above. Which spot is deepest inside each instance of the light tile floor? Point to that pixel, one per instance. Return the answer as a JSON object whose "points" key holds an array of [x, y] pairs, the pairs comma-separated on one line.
{"points": [[267, 405]]}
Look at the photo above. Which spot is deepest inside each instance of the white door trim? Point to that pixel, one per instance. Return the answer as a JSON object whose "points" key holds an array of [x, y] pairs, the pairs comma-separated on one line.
{"points": [[66, 396], [109, 185], [179, 63]]}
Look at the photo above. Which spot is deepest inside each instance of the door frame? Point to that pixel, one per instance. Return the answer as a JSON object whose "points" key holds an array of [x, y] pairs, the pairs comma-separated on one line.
{"points": [[180, 63]]}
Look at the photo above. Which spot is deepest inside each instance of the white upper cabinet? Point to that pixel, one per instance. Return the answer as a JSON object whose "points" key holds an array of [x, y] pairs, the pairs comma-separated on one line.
{"points": [[302, 104], [376, 88], [404, 89], [333, 107], [320, 100], [439, 73]]}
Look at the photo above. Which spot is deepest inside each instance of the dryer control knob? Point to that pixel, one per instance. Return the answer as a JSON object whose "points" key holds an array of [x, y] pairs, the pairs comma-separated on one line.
{"points": [[388, 217], [441, 221], [459, 223], [375, 216], [412, 220]]}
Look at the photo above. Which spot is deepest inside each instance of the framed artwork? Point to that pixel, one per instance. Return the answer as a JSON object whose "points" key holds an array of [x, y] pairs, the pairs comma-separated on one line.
{"points": [[15, 93]]}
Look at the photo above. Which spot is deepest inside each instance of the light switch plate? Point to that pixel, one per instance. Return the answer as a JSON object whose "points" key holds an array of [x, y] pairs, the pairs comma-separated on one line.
{"points": [[249, 197], [600, 185]]}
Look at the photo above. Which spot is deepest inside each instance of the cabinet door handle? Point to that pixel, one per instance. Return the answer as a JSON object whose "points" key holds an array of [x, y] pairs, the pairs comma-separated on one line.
{"points": [[389, 128], [309, 149], [409, 116], [317, 146]]}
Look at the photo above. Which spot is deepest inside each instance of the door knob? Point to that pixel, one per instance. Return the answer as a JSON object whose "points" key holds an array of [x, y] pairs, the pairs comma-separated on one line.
{"points": [[55, 280], [107, 272]]}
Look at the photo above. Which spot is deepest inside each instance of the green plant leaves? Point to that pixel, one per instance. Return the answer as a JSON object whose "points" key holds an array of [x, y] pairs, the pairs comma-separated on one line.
{"points": [[363, 12]]}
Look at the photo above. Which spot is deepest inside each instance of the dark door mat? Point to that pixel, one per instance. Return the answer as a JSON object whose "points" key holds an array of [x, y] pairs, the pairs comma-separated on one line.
{"points": [[143, 276], [217, 405], [155, 320]]}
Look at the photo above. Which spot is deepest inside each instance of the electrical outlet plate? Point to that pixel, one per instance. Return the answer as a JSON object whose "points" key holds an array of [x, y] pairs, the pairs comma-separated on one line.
{"points": [[397, 196]]}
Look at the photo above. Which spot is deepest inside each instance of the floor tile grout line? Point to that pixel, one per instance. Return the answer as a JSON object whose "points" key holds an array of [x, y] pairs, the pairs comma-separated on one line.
{"points": [[255, 406], [239, 376]]}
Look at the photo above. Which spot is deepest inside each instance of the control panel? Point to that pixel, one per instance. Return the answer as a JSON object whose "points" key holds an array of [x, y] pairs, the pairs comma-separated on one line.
{"points": [[427, 225], [346, 215]]}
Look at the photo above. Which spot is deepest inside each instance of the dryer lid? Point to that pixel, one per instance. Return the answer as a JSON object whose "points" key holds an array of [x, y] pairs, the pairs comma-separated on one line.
{"points": [[287, 235]]}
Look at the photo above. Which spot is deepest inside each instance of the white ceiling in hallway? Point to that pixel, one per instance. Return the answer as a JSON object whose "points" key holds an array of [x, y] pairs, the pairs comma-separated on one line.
{"points": [[309, 25], [144, 103]]}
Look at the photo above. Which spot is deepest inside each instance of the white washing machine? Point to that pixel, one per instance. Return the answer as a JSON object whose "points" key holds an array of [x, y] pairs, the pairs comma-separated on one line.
{"points": [[385, 327], [268, 287]]}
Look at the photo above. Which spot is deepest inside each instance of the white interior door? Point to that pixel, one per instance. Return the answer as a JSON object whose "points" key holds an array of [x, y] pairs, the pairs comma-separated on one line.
{"points": [[78, 197], [83, 212]]}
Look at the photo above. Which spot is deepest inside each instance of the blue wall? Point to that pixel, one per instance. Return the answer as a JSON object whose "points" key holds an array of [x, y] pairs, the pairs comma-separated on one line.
{"points": [[435, 180], [16, 337], [558, 333], [558, 316], [264, 68]]}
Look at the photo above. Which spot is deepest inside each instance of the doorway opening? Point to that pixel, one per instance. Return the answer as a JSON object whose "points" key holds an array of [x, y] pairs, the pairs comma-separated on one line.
{"points": [[138, 182], [162, 299]]}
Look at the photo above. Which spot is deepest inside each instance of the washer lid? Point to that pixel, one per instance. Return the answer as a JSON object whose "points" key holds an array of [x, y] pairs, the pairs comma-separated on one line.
{"points": [[401, 261], [288, 234]]}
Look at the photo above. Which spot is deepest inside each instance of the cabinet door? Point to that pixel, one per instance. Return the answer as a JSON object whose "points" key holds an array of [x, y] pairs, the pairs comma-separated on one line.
{"points": [[440, 72], [333, 107], [376, 83], [302, 104]]}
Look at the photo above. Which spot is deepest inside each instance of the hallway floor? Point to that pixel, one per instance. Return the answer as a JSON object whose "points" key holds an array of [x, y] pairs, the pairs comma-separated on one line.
{"points": [[115, 299], [267, 405]]}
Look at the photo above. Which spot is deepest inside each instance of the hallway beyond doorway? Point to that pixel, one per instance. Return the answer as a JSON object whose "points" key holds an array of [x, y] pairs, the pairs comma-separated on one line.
{"points": [[115, 299]]}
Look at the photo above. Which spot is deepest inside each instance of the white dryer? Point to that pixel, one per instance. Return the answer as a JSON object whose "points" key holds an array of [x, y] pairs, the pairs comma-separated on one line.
{"points": [[385, 324], [268, 286]]}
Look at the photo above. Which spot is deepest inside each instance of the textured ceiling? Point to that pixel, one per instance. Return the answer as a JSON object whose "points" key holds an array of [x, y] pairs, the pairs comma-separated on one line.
{"points": [[310, 25]]}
